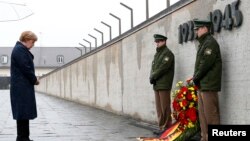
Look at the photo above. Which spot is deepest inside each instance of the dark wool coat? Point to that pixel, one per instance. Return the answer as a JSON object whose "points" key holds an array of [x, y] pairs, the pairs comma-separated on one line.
{"points": [[23, 79], [162, 69], [208, 65]]}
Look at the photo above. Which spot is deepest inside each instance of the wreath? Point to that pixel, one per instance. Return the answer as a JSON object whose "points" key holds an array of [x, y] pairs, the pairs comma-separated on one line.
{"points": [[185, 109], [185, 112]]}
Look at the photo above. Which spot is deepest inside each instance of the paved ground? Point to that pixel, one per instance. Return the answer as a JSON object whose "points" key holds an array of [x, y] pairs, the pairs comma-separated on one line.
{"points": [[61, 120]]}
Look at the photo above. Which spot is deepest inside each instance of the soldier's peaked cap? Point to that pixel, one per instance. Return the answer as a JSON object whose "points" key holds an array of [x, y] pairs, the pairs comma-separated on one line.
{"points": [[200, 23], [159, 37]]}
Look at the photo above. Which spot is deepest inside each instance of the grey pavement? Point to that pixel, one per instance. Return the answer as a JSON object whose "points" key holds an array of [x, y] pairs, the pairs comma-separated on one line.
{"points": [[62, 120]]}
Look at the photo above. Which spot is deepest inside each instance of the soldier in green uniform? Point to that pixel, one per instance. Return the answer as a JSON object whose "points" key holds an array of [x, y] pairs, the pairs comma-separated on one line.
{"points": [[207, 76], [161, 77]]}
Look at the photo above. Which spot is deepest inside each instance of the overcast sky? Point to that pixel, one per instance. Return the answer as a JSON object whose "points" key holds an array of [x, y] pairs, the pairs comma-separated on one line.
{"points": [[64, 23]]}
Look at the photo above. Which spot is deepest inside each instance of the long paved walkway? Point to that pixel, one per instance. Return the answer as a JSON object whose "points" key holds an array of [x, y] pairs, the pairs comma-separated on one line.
{"points": [[61, 120]]}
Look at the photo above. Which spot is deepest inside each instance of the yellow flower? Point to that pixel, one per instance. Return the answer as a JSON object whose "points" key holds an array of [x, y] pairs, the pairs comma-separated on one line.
{"points": [[179, 84], [195, 98], [181, 104], [191, 105], [191, 88], [190, 124]]}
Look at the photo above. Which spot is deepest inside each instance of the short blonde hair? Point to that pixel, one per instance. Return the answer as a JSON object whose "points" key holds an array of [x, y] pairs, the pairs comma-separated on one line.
{"points": [[28, 35]]}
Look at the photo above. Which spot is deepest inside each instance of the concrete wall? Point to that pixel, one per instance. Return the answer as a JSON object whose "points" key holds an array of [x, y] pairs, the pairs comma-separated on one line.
{"points": [[39, 71], [115, 78]]}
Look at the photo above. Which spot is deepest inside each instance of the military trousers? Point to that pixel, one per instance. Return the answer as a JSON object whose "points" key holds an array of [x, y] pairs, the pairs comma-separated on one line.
{"points": [[208, 110], [163, 108]]}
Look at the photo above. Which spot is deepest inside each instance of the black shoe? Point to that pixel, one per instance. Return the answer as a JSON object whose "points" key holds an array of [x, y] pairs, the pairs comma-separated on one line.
{"points": [[23, 139], [29, 140]]}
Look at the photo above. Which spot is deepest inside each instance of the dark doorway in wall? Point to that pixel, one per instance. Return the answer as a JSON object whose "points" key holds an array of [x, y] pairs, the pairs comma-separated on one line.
{"points": [[4, 83]]}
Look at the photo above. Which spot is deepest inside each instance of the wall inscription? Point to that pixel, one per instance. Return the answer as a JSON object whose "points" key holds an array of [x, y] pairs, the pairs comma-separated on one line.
{"points": [[232, 17]]}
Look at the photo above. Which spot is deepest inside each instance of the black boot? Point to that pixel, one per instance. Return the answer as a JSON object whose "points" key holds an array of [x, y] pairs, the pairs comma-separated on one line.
{"points": [[23, 130]]}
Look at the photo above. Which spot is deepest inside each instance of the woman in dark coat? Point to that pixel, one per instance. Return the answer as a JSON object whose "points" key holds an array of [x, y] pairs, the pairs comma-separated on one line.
{"points": [[23, 79]]}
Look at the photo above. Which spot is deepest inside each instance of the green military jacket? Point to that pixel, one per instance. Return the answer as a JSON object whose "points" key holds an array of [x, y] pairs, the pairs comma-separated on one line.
{"points": [[162, 70], [208, 65]]}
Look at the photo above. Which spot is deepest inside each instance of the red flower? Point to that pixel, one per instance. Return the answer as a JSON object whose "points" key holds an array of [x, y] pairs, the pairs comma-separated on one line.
{"points": [[181, 115], [189, 97], [176, 105], [180, 95], [191, 113], [184, 89], [184, 122], [184, 102]]}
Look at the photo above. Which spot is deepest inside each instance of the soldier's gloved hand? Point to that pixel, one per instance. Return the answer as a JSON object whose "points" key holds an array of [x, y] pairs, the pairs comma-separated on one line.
{"points": [[152, 81], [196, 81]]}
